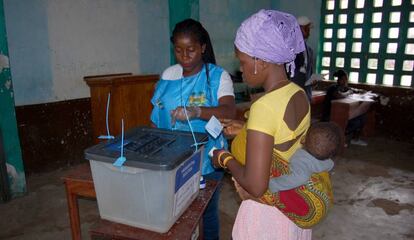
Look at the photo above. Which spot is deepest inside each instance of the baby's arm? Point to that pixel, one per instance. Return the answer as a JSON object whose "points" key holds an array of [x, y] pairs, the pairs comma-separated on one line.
{"points": [[302, 165], [300, 174]]}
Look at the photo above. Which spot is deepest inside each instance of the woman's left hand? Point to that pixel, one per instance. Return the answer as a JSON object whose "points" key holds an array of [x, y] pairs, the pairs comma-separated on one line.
{"points": [[215, 159], [180, 113], [243, 194], [231, 127]]}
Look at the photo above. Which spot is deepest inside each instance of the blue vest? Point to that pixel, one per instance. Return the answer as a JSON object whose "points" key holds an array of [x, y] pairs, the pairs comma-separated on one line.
{"points": [[194, 90]]}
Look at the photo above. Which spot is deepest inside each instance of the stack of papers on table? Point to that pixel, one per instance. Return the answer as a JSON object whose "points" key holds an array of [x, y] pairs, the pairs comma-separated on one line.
{"points": [[364, 97]]}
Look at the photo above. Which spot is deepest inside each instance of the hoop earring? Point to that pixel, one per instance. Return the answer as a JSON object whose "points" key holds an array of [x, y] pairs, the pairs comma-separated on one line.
{"points": [[255, 68]]}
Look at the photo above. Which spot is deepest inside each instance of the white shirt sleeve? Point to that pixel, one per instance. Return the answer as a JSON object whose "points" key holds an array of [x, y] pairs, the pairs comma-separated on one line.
{"points": [[226, 86], [173, 72]]}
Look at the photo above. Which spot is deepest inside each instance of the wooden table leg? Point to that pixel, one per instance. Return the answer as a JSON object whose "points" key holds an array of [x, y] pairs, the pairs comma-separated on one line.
{"points": [[200, 229], [78, 183], [72, 199]]}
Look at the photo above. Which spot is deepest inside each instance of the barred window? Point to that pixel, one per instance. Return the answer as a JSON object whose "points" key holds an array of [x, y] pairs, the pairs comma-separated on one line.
{"points": [[373, 40]]}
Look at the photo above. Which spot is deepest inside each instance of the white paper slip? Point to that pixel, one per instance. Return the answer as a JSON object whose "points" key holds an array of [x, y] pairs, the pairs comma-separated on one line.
{"points": [[314, 78], [214, 127], [361, 97]]}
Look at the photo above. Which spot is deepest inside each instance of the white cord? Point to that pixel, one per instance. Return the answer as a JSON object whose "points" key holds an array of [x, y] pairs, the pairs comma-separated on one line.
{"points": [[108, 134], [107, 117], [191, 128]]}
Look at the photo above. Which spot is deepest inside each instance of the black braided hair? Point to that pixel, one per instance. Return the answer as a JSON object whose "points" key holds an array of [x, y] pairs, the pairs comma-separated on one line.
{"points": [[194, 29]]}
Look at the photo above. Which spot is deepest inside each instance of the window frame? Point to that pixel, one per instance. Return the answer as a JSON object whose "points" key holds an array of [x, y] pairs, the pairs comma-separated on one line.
{"points": [[406, 8]]}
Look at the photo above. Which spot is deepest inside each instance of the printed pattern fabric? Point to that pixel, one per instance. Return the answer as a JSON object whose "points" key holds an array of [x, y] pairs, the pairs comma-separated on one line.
{"points": [[306, 205]]}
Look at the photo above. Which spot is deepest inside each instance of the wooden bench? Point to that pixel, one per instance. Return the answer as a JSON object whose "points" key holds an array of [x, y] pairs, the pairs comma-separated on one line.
{"points": [[78, 183]]}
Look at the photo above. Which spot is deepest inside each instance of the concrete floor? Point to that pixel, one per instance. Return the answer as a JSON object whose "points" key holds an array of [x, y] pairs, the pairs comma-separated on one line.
{"points": [[373, 187]]}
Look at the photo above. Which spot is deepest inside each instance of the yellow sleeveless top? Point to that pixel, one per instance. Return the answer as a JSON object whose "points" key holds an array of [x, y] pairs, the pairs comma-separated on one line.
{"points": [[306, 205]]}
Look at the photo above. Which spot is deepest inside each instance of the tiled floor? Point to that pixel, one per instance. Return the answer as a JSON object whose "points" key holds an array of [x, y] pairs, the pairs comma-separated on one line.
{"points": [[373, 187]]}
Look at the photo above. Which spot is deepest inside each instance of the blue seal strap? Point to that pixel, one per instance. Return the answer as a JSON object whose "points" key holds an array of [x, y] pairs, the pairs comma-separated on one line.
{"points": [[120, 161]]}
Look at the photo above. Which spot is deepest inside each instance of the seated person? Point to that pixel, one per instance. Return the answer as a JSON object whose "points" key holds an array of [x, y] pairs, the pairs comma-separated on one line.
{"points": [[357, 122]]}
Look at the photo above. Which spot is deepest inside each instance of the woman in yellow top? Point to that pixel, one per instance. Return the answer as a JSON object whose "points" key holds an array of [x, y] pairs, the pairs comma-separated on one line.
{"points": [[266, 45]]}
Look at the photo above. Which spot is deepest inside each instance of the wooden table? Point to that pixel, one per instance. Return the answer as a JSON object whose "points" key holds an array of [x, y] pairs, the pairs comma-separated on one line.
{"points": [[345, 109], [318, 97], [79, 183], [183, 229]]}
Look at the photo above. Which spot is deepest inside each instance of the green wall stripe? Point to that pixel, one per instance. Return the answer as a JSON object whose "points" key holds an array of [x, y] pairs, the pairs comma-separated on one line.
{"points": [[180, 10], [8, 118]]}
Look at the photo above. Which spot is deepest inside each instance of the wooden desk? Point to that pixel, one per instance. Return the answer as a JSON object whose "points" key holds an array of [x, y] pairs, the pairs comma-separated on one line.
{"points": [[345, 109], [130, 100], [318, 97], [184, 227], [78, 183]]}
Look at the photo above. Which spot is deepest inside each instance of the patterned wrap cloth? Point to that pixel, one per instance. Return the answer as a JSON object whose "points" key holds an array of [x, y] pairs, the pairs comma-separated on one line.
{"points": [[272, 36], [306, 205]]}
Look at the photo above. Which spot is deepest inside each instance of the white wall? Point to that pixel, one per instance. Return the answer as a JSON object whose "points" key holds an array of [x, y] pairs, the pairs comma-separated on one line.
{"points": [[309, 8], [54, 43], [222, 18]]}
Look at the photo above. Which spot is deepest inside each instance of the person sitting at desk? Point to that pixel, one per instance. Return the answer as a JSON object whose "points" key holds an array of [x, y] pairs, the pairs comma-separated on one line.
{"points": [[341, 90]]}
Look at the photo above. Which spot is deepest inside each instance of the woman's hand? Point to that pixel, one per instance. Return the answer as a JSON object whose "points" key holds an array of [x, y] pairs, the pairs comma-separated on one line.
{"points": [[180, 113], [243, 194], [231, 127], [215, 159]]}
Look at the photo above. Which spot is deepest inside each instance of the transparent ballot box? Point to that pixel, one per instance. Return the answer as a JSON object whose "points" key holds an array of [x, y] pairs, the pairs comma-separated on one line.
{"points": [[157, 182]]}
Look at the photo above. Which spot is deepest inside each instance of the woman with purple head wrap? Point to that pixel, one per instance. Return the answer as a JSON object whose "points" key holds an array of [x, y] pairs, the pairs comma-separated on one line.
{"points": [[266, 45], [272, 36]]}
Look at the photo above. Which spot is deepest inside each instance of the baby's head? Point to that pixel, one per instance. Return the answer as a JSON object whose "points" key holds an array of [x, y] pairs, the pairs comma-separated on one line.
{"points": [[323, 140]]}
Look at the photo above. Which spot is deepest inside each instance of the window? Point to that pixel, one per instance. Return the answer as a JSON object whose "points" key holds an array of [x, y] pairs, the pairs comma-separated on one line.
{"points": [[373, 40], [357, 33], [355, 63]]}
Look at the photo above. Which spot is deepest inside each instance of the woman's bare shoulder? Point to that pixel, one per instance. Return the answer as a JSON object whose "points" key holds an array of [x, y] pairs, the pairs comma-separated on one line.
{"points": [[296, 110]]}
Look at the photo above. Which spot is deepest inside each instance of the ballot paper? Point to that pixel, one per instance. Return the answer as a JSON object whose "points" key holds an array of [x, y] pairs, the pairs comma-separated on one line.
{"points": [[314, 78], [214, 127]]}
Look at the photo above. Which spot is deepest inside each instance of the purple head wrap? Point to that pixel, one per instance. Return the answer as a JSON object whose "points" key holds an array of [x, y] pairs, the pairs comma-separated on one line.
{"points": [[272, 36]]}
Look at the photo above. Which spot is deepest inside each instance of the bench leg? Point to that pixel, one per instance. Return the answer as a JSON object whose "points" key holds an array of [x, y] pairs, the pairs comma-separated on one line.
{"points": [[73, 213]]}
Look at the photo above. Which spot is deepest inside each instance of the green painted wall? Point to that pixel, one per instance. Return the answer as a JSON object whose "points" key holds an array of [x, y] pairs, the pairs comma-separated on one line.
{"points": [[8, 118], [180, 10]]}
